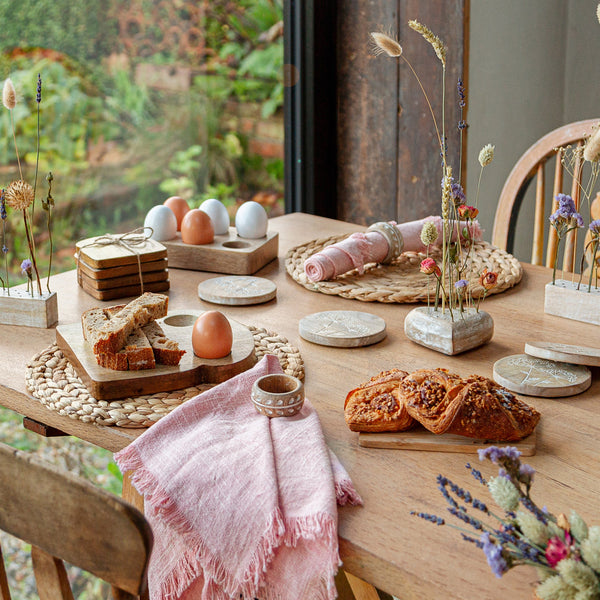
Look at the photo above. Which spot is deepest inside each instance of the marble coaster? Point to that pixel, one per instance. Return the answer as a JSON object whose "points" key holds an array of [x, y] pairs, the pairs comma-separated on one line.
{"points": [[533, 376], [237, 290], [342, 328], [577, 355]]}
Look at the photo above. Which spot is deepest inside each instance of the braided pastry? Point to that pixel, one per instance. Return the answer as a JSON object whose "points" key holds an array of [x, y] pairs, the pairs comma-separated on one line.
{"points": [[475, 407], [377, 406]]}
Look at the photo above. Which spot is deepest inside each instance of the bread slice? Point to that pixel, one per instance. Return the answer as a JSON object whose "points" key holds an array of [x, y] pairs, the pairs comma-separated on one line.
{"points": [[92, 320], [137, 353], [166, 351], [110, 336], [135, 356]]}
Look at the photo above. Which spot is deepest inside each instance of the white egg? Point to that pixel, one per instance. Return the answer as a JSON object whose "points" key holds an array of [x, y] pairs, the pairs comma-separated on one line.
{"points": [[218, 214], [163, 222], [251, 220]]}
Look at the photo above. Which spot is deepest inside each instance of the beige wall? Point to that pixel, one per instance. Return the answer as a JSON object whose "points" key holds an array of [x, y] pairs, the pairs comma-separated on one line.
{"points": [[533, 67]]}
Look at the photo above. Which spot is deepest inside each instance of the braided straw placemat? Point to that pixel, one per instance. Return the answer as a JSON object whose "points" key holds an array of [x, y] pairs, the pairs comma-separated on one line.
{"points": [[52, 379], [401, 281]]}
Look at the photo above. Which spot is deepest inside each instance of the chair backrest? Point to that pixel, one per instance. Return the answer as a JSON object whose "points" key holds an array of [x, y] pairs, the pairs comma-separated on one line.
{"points": [[66, 518], [532, 164]]}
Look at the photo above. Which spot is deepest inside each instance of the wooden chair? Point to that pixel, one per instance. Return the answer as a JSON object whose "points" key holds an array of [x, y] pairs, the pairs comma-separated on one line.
{"points": [[532, 164], [66, 518]]}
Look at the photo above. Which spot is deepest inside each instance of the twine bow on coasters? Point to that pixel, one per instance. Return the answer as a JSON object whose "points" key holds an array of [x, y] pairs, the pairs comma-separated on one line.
{"points": [[130, 241]]}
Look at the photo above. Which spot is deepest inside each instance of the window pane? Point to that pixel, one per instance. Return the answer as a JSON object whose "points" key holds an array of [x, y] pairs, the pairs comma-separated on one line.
{"points": [[140, 100]]}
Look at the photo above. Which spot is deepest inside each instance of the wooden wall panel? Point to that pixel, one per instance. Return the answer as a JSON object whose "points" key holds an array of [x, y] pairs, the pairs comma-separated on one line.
{"points": [[367, 114], [389, 164]]}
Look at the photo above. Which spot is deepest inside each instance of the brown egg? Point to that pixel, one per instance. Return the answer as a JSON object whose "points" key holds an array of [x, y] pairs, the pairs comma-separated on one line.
{"points": [[197, 228], [179, 206], [212, 336]]}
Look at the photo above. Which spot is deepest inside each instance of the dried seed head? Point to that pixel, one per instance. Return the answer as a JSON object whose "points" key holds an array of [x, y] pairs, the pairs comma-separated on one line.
{"points": [[486, 155], [383, 43], [429, 233], [19, 195], [591, 151], [433, 39], [446, 193], [9, 97]]}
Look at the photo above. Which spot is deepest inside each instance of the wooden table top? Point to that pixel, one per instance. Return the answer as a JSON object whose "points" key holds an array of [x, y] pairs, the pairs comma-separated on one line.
{"points": [[381, 542]]}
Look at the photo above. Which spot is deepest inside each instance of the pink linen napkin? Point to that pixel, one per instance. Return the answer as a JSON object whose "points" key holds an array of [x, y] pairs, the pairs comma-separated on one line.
{"points": [[359, 249], [239, 504]]}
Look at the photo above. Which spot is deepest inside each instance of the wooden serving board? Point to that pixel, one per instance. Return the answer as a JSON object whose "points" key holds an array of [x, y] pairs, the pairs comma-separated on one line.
{"points": [[106, 384], [122, 270], [102, 257], [228, 253], [421, 439]]}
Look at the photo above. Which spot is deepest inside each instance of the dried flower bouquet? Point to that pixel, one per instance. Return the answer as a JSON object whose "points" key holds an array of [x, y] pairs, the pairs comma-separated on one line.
{"points": [[454, 323], [449, 272], [36, 307], [563, 549]]}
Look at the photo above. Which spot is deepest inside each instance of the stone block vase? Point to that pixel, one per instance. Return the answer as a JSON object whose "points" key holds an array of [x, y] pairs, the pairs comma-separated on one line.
{"points": [[446, 332], [570, 300], [19, 307]]}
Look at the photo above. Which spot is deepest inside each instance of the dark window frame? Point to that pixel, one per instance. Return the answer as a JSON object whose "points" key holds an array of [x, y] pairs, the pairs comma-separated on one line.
{"points": [[310, 107]]}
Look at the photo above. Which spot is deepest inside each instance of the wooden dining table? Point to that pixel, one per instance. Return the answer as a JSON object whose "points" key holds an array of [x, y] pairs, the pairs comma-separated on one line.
{"points": [[380, 542]]}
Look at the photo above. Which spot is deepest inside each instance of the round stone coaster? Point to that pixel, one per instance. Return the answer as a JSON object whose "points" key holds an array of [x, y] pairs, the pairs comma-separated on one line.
{"points": [[342, 328], [237, 290], [577, 355], [533, 376]]}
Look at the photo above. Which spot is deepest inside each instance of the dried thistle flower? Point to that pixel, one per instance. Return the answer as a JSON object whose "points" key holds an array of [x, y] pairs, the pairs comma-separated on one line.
{"points": [[429, 233], [433, 39], [383, 43], [9, 96], [486, 155], [591, 151], [19, 195]]}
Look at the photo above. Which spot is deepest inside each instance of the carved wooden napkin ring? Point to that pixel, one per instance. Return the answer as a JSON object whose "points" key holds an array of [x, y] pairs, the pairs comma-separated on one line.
{"points": [[393, 237]]}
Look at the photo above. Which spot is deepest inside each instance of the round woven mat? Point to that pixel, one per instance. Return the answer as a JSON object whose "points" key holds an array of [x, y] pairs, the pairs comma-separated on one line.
{"points": [[401, 281], [52, 379]]}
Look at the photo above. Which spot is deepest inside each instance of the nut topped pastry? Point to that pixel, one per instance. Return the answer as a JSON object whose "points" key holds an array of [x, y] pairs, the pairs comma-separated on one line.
{"points": [[376, 405], [475, 407]]}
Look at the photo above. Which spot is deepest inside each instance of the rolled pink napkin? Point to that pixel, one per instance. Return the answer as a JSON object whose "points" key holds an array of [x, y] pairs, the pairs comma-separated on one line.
{"points": [[239, 504], [373, 246]]}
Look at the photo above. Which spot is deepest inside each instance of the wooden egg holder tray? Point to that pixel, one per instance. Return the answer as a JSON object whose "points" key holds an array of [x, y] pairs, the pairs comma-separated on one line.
{"points": [[106, 384], [228, 253]]}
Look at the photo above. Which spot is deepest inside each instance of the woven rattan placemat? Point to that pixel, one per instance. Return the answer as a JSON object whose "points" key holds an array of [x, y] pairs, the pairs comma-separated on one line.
{"points": [[52, 379], [401, 281]]}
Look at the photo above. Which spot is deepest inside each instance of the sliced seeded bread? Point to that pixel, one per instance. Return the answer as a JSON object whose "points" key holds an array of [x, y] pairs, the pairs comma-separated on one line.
{"points": [[135, 356], [166, 351], [110, 336]]}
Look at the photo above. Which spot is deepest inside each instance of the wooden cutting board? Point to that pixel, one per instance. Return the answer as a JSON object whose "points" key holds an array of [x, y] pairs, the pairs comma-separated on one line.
{"points": [[421, 439], [228, 253], [106, 384]]}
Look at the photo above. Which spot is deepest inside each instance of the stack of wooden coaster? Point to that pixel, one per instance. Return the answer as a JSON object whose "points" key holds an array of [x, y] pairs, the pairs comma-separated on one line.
{"points": [[112, 270]]}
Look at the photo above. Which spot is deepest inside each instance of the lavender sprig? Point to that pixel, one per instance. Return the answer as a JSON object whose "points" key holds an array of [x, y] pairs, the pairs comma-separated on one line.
{"points": [[3, 216]]}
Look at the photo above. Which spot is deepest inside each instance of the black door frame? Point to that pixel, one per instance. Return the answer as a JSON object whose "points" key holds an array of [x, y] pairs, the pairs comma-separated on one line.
{"points": [[310, 107]]}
